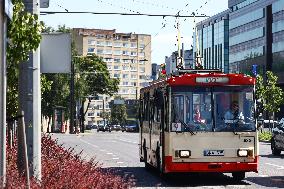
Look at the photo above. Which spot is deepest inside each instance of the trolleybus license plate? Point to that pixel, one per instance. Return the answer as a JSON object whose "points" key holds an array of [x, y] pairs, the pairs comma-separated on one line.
{"points": [[213, 152]]}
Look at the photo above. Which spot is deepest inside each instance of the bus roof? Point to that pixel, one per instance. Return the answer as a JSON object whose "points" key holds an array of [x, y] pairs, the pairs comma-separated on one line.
{"points": [[204, 79]]}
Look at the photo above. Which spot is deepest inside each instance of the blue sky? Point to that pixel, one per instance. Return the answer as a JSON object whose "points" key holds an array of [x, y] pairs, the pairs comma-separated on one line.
{"points": [[163, 39]]}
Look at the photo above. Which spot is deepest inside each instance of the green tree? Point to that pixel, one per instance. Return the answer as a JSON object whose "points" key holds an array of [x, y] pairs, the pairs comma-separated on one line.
{"points": [[270, 95], [118, 112], [93, 78], [24, 33]]}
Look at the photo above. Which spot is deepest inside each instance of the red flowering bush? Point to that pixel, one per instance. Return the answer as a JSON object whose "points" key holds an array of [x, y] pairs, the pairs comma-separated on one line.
{"points": [[63, 168]]}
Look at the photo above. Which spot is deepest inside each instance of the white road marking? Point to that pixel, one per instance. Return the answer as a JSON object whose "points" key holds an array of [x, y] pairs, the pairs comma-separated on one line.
{"points": [[115, 158], [278, 166], [129, 141], [263, 175], [89, 143], [102, 150], [109, 153], [119, 162]]}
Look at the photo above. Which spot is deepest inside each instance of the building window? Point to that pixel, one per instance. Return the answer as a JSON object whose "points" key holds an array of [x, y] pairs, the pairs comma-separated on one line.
{"points": [[125, 83], [109, 43], [116, 75], [133, 45], [134, 61], [100, 51], [125, 60], [117, 44], [116, 67], [90, 114], [100, 36], [108, 59], [116, 60], [125, 68], [91, 42], [134, 69], [133, 84], [108, 51], [142, 70], [125, 53], [142, 54], [141, 46], [91, 50], [133, 76], [133, 53], [125, 76], [117, 52], [142, 77], [100, 43], [126, 45]]}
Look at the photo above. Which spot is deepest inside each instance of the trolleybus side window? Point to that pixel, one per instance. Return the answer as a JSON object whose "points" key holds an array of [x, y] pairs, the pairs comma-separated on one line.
{"points": [[146, 108]]}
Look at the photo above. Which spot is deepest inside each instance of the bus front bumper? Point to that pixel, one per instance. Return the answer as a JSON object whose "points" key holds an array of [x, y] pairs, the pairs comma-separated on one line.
{"points": [[222, 167]]}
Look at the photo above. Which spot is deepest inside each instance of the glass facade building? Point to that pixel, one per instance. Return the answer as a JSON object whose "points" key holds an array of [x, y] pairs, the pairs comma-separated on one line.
{"points": [[256, 30], [257, 36], [213, 42]]}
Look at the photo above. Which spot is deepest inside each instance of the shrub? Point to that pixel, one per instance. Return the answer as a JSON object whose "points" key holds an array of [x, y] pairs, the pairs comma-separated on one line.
{"points": [[63, 168], [265, 136]]}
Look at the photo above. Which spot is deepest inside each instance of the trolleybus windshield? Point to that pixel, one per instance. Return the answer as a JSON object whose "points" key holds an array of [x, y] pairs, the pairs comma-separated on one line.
{"points": [[212, 109]]}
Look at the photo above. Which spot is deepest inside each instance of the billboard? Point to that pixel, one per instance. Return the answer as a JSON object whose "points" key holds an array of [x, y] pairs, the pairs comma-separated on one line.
{"points": [[55, 53]]}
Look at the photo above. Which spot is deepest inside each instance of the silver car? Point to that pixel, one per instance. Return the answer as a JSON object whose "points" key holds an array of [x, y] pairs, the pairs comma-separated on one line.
{"points": [[277, 140]]}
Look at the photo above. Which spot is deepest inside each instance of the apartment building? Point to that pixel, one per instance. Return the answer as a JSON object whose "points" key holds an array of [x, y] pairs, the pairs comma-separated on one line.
{"points": [[128, 57]]}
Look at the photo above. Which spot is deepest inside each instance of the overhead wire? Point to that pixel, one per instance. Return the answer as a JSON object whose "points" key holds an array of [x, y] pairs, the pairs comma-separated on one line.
{"points": [[111, 4]]}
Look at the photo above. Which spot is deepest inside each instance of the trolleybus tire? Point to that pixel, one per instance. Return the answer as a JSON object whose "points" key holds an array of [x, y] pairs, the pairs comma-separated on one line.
{"points": [[147, 165], [274, 150], [238, 176]]}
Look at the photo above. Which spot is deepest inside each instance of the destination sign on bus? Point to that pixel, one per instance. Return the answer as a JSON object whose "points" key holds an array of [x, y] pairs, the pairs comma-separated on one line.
{"points": [[212, 80]]}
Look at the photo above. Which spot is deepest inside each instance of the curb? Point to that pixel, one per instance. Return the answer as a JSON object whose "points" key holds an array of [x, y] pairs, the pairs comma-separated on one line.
{"points": [[265, 141]]}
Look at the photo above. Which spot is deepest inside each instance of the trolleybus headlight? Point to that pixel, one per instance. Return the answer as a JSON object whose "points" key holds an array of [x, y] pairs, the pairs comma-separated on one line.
{"points": [[184, 153], [242, 153]]}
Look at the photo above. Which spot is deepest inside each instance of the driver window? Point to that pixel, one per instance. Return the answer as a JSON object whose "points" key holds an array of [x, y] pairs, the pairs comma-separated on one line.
{"points": [[178, 108]]}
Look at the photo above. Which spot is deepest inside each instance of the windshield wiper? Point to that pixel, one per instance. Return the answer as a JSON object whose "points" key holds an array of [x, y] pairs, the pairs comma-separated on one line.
{"points": [[187, 127]]}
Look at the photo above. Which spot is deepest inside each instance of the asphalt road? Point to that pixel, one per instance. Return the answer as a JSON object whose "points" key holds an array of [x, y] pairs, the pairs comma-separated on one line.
{"points": [[118, 152]]}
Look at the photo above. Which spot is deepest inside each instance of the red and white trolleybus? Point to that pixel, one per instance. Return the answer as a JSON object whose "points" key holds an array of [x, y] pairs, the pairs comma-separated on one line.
{"points": [[199, 121]]}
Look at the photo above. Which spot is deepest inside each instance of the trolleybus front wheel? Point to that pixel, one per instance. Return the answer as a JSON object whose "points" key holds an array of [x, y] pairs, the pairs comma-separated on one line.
{"points": [[147, 165], [238, 176]]}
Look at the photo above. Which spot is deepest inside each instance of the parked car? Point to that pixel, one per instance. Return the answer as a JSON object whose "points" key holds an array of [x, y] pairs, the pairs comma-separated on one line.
{"points": [[95, 126], [277, 140], [130, 126], [89, 127], [103, 128], [115, 127]]}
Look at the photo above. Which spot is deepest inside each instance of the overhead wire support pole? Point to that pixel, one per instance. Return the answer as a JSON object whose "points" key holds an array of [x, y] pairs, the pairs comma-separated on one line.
{"points": [[122, 14]]}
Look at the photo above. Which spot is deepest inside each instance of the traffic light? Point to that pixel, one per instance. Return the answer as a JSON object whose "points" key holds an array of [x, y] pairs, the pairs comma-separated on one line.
{"points": [[163, 69]]}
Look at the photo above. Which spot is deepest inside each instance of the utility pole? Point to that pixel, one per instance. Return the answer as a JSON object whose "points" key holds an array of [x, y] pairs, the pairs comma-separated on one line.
{"points": [[72, 99], [104, 114], [30, 100], [3, 78]]}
